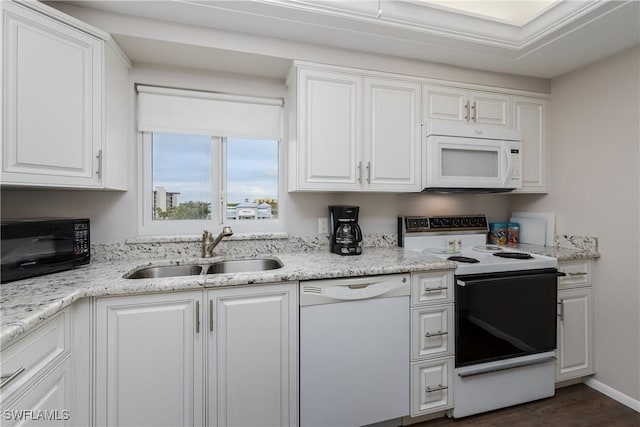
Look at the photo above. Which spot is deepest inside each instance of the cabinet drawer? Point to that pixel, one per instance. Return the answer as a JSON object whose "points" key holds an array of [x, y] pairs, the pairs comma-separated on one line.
{"points": [[431, 288], [432, 331], [49, 396], [431, 386], [35, 352], [578, 273]]}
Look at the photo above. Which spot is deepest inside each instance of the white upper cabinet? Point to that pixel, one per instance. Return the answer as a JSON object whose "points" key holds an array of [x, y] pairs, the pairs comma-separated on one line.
{"points": [[346, 138], [61, 86], [391, 135], [531, 118], [462, 105], [326, 148]]}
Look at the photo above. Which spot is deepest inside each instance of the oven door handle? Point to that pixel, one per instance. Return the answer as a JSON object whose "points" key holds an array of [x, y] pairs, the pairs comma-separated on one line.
{"points": [[512, 365], [472, 281]]}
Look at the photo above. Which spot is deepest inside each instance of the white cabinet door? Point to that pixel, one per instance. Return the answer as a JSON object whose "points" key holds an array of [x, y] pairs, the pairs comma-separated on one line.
{"points": [[575, 334], [531, 119], [252, 358], [445, 103], [329, 130], [392, 135], [149, 366], [52, 101], [432, 331], [431, 386], [489, 108], [463, 105], [46, 402]]}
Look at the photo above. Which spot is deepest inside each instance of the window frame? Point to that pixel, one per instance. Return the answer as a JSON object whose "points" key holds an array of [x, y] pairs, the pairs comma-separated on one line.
{"points": [[150, 227]]}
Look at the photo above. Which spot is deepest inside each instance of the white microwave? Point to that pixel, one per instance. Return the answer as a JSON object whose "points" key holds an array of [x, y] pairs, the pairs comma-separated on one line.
{"points": [[466, 158]]}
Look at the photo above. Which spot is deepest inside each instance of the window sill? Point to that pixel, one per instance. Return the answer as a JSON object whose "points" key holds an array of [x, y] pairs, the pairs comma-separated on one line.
{"points": [[192, 238]]}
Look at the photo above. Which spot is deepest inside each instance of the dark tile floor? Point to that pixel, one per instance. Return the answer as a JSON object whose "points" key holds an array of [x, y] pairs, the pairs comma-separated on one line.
{"points": [[573, 406]]}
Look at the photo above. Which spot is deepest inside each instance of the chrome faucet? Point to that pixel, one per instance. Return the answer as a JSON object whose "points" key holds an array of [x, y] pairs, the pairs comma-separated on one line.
{"points": [[209, 243]]}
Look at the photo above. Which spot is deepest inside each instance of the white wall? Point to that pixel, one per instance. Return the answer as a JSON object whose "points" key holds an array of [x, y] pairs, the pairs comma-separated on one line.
{"points": [[114, 215], [595, 190]]}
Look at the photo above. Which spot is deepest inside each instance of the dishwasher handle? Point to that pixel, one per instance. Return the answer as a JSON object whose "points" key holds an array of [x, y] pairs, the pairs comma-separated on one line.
{"points": [[338, 290]]}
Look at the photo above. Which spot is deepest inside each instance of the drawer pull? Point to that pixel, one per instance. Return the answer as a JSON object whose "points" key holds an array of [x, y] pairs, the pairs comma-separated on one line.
{"points": [[439, 288], [6, 379], [577, 273], [437, 334], [439, 388]]}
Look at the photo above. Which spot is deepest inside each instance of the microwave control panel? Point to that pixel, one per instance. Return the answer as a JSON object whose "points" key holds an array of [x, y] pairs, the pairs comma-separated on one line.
{"points": [[515, 161], [81, 238]]}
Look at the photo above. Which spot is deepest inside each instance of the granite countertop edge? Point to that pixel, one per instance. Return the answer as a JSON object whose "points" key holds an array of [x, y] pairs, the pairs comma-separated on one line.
{"points": [[25, 304]]}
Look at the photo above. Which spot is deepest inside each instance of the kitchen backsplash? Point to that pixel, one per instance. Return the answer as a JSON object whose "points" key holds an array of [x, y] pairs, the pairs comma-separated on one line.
{"points": [[179, 248]]}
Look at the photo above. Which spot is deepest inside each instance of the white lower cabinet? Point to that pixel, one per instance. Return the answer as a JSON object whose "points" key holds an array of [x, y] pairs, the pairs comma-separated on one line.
{"points": [[149, 368], [431, 386], [46, 402], [252, 358], [432, 342], [575, 334], [432, 331], [36, 376], [219, 357]]}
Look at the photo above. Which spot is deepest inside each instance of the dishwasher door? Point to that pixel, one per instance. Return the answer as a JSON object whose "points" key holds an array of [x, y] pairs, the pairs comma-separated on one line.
{"points": [[354, 351]]}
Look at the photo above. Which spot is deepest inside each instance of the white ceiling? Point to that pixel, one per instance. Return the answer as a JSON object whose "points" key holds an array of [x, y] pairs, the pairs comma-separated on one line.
{"points": [[547, 42]]}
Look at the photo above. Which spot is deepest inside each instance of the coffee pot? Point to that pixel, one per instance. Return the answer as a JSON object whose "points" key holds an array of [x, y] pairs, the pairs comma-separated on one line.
{"points": [[346, 235]]}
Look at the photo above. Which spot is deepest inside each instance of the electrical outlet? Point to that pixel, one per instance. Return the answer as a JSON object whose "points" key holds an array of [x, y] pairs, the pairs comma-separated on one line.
{"points": [[323, 225]]}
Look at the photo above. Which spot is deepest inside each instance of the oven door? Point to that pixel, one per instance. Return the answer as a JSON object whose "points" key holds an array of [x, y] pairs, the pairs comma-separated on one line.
{"points": [[32, 248], [505, 315], [455, 162]]}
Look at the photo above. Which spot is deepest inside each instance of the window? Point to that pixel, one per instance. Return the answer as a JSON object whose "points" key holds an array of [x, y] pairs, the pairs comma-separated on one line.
{"points": [[195, 179]]}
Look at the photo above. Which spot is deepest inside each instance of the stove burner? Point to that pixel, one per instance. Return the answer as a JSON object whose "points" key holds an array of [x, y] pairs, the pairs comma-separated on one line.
{"points": [[514, 255], [463, 259], [488, 248]]}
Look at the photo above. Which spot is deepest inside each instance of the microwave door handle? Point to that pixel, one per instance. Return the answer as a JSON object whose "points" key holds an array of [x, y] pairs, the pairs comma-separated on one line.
{"points": [[508, 167]]}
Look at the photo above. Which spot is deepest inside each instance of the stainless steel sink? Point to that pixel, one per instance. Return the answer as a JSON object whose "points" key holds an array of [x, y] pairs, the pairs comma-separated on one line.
{"points": [[166, 271], [243, 265], [219, 267]]}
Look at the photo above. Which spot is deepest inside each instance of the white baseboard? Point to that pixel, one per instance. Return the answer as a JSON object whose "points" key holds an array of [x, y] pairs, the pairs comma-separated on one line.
{"points": [[613, 393]]}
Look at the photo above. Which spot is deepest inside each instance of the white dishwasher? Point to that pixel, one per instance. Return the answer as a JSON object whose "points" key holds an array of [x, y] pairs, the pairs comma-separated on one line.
{"points": [[354, 350]]}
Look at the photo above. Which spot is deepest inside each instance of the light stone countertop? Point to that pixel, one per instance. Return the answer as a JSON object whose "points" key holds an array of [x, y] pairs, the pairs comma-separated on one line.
{"points": [[24, 304]]}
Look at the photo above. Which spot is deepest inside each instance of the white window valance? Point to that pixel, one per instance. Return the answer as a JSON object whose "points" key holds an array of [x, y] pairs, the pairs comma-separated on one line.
{"points": [[170, 110]]}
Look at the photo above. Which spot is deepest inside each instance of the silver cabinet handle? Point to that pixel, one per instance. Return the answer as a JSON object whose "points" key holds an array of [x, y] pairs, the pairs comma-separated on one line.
{"points": [[360, 172], [368, 172], [577, 273], [473, 112], [6, 379], [437, 334], [561, 314], [211, 315], [99, 157], [197, 316], [466, 111], [439, 388], [439, 288]]}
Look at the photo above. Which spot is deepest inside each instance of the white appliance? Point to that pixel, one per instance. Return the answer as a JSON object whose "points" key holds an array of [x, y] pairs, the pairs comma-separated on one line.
{"points": [[458, 157], [354, 350], [505, 313]]}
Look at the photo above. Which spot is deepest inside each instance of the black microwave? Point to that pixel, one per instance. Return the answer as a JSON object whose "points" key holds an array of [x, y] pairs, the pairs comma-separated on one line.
{"points": [[33, 247]]}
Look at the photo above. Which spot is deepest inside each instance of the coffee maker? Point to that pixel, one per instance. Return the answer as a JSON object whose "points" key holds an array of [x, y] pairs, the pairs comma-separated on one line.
{"points": [[345, 231]]}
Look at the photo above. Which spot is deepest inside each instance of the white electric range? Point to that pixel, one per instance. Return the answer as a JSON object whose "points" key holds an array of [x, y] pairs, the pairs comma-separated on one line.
{"points": [[505, 313]]}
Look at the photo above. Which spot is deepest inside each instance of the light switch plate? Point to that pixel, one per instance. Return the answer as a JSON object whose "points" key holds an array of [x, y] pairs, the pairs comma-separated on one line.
{"points": [[323, 225]]}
